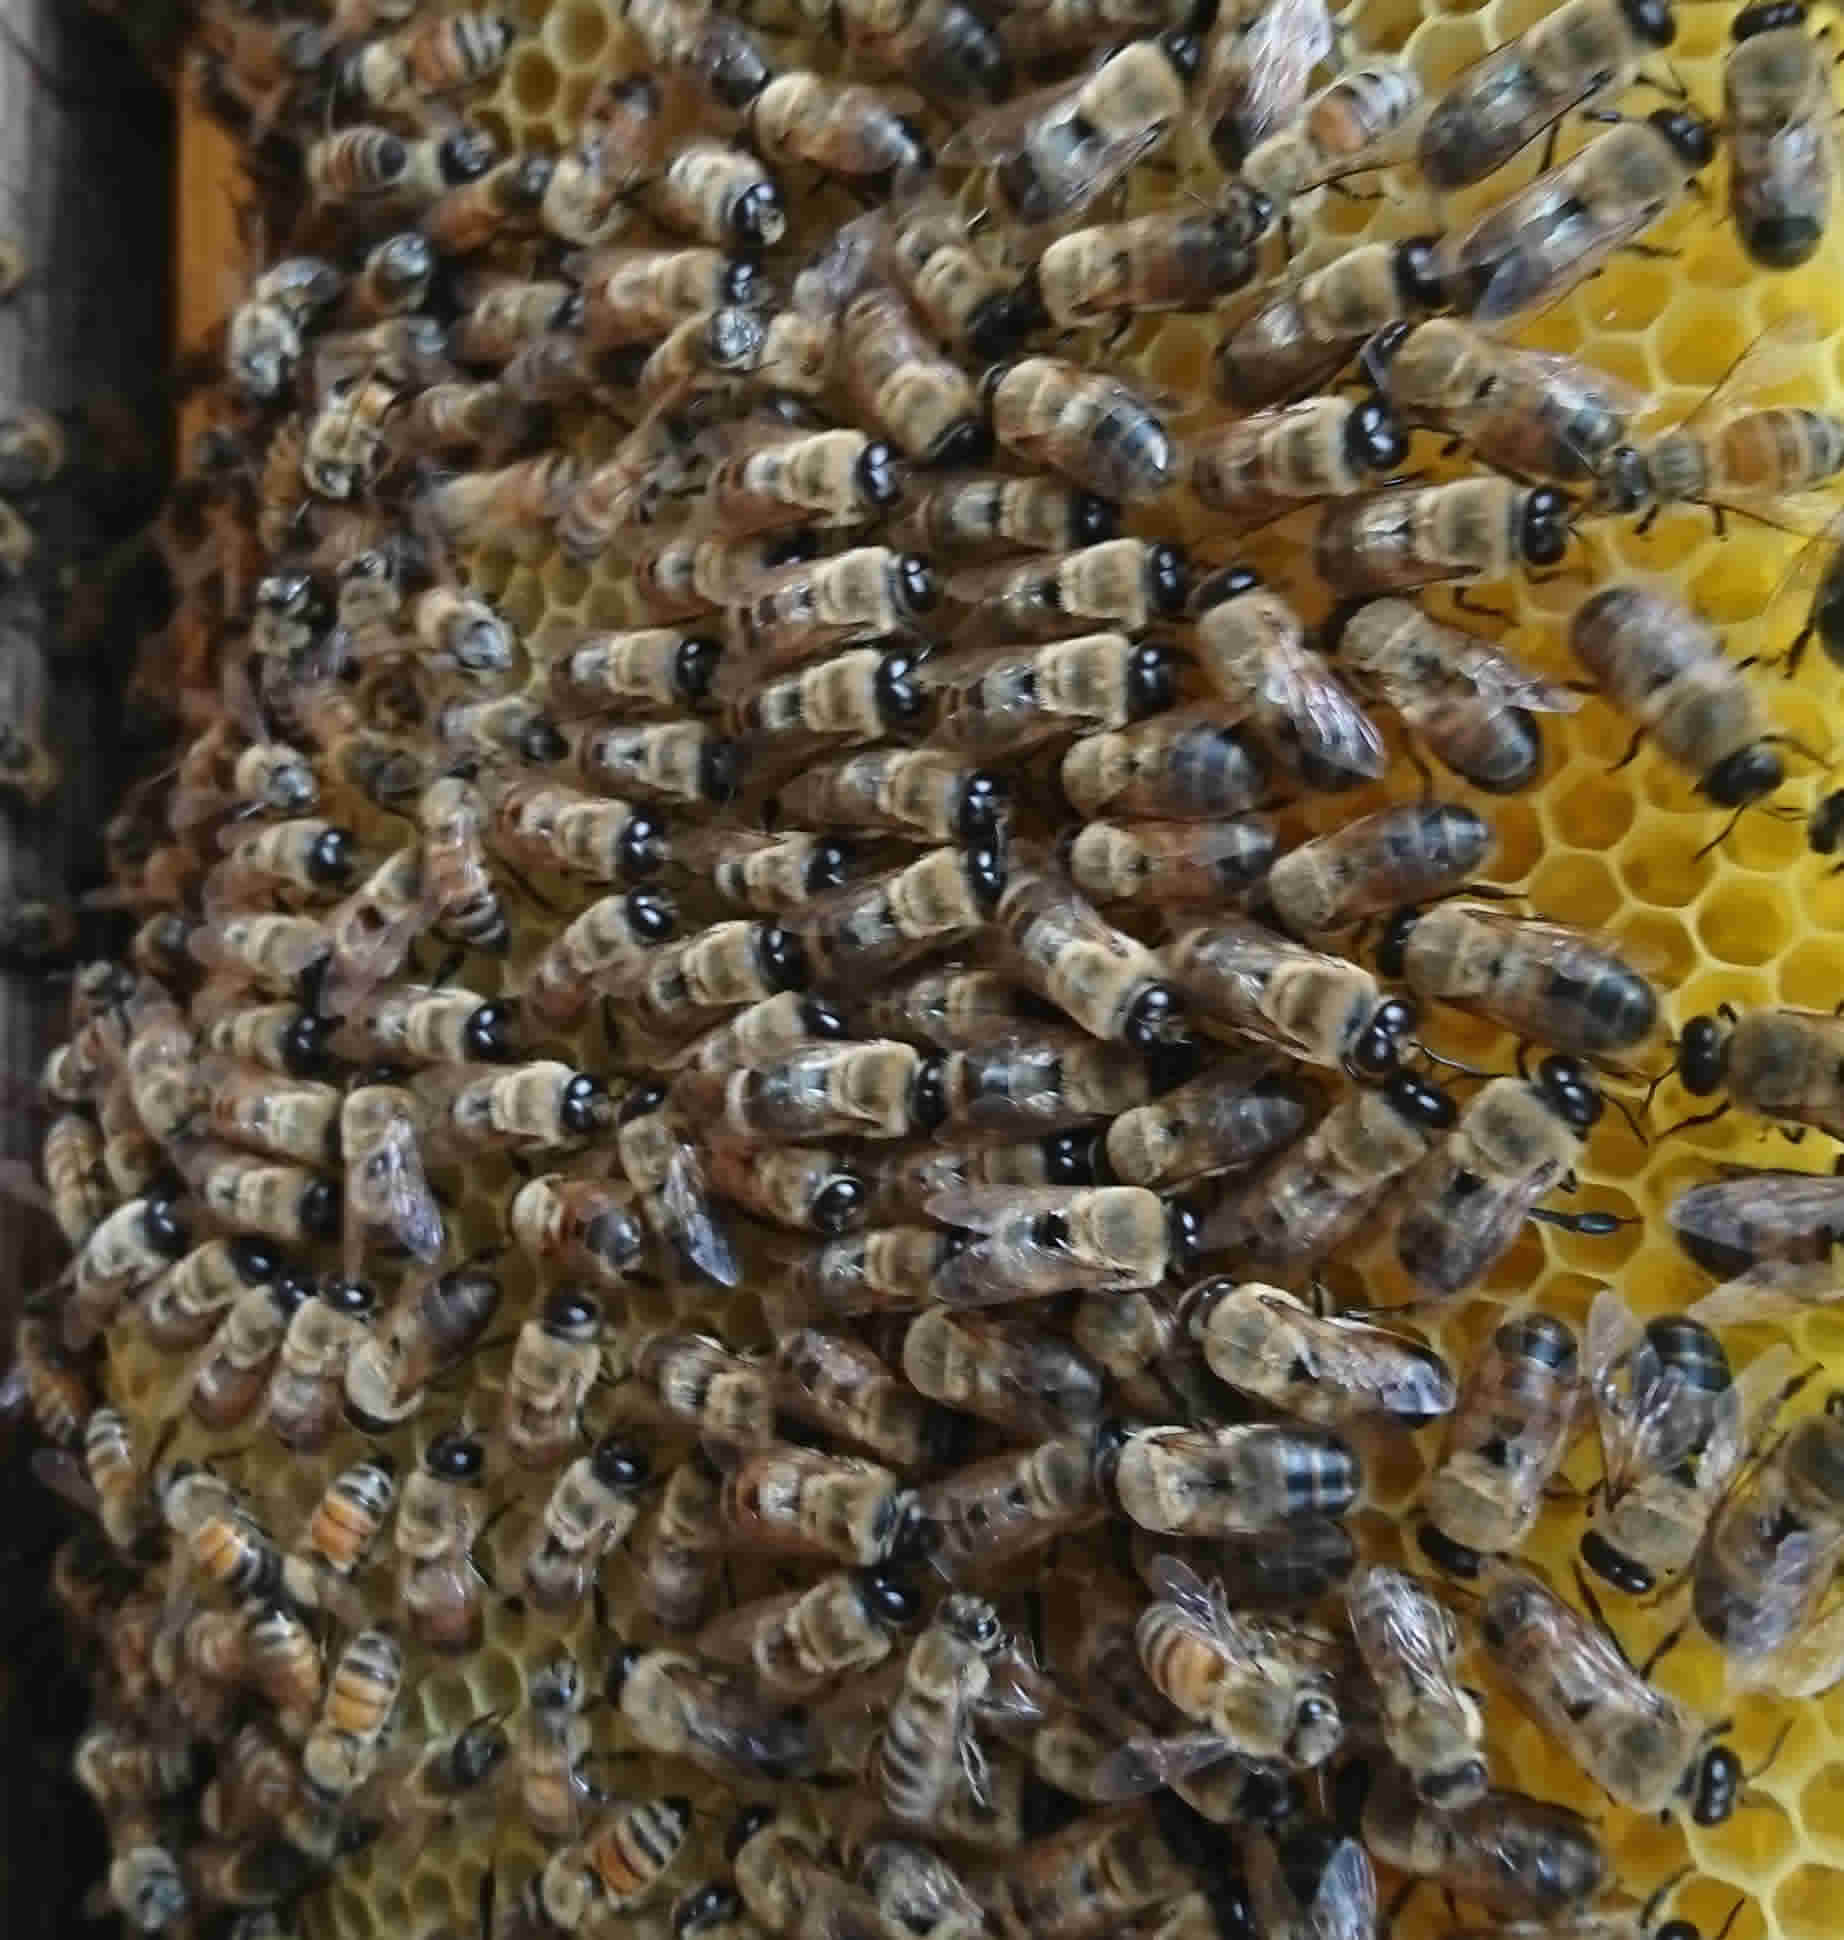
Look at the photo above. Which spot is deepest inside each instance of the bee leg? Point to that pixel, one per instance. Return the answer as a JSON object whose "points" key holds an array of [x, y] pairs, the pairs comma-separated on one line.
{"points": [[1467, 604], [1632, 751], [1661, 1650], [1797, 651], [1593, 1606]]}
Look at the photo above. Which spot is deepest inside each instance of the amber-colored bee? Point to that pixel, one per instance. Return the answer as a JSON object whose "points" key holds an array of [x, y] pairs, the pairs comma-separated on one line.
{"points": [[439, 1516], [555, 1362], [721, 195], [342, 1751], [303, 1403], [590, 1512], [436, 1320], [921, 401]]}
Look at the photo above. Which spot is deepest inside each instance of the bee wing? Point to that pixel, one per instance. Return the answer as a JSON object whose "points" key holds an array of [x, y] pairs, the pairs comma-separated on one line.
{"points": [[974, 585], [840, 271], [1320, 714], [1412, 1629], [687, 1202], [362, 962], [1345, 1906], [1808, 1664], [1143, 1765], [1174, 1581], [1462, 1223], [387, 1186], [1499, 257], [1773, 1213], [1482, 672], [1278, 51], [737, 1729], [1782, 352], [1808, 566], [985, 1209], [998, 133]]}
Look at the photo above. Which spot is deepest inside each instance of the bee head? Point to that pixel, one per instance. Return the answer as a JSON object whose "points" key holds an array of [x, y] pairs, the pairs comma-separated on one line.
{"points": [[1154, 1016], [1168, 579], [318, 1210], [584, 1107], [1543, 526], [1825, 831], [543, 742], [1625, 482], [1185, 51], [1691, 139], [571, 1314], [1417, 273], [900, 697], [838, 1206], [621, 1662], [928, 1096], [759, 215], [1571, 1091], [462, 156], [984, 797], [715, 1903], [694, 666], [720, 769], [1373, 440], [253, 1260], [1744, 777], [1184, 1234], [455, 1456], [916, 589], [888, 1597], [783, 957], [1092, 519], [642, 848], [879, 473], [351, 1297], [304, 1045], [1152, 674], [487, 1034], [1379, 1045], [1453, 1784], [1614, 1566], [1457, 1559], [651, 915], [747, 1823], [1716, 1784], [1703, 1056], [1768, 17]]}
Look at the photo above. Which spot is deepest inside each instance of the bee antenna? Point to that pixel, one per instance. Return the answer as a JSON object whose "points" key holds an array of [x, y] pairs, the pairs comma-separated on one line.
{"points": [[1620, 1105], [1433, 1056]]}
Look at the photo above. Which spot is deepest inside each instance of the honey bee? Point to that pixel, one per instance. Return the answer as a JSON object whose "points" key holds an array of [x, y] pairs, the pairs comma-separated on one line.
{"points": [[1240, 1480], [459, 885], [655, 670], [1777, 109], [1053, 1239], [1253, 650], [790, 870], [1326, 1369], [828, 478], [591, 1511], [1077, 141], [1122, 583], [608, 949], [1559, 986], [618, 140], [907, 791], [692, 982], [1094, 430], [305, 1390], [282, 1038], [677, 1567], [797, 1642], [285, 1118], [1319, 1009], [837, 1385], [433, 1325], [1731, 1226], [1256, 1689], [128, 1250], [905, 1183], [1185, 765], [345, 1523], [868, 1272], [423, 1789], [901, 385], [957, 1009], [1533, 248], [267, 335], [1351, 124], [1675, 1428], [1309, 1883], [546, 825], [875, 1090], [1025, 1382], [343, 1748], [232, 1374], [927, 1748], [425, 1025], [721, 195], [544, 1104], [850, 697], [392, 281], [943, 47], [770, 1029], [975, 512], [662, 761], [504, 506], [1257, 65], [1169, 259], [1105, 981], [75, 1177], [1518, 1410], [549, 1744], [780, 1873], [503, 201], [185, 1303], [1039, 1081], [345, 445], [637, 296], [1238, 1111], [1416, 535], [555, 1361], [844, 129], [1409, 1642], [283, 1662], [677, 1708], [1523, 1858], [1471, 705], [617, 1867], [1516, 1141], [795, 1501], [1645, 1749], [1530, 413], [695, 1378], [439, 1517], [711, 52], [917, 1893], [582, 1224], [1292, 345], [506, 314], [367, 937], [815, 605], [1411, 852], [926, 244], [1257, 467]]}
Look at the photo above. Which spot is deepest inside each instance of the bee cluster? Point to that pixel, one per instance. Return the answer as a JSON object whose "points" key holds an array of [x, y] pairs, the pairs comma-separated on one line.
{"points": [[870, 1241]]}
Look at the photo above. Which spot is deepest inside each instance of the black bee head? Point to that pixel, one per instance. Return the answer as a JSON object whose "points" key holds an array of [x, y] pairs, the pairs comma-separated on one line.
{"points": [[1571, 1091], [1692, 139], [1744, 777], [1703, 1056]]}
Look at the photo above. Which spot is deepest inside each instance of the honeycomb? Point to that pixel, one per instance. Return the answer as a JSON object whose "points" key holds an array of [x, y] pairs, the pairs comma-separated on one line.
{"points": [[1623, 852]]}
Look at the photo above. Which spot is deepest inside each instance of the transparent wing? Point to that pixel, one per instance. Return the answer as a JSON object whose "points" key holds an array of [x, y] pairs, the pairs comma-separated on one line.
{"points": [[1275, 56], [1782, 353], [1513, 265], [1143, 1765], [686, 1201], [386, 1188], [1313, 708], [1369, 1364], [1806, 1665], [1398, 1623], [1806, 570], [1774, 1290], [1645, 1430], [1481, 672], [999, 133], [1772, 1214], [985, 1209]]}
